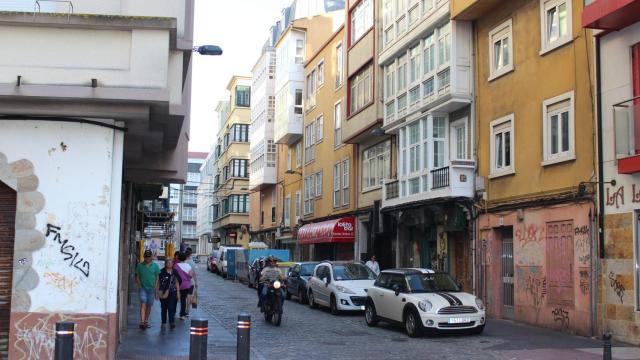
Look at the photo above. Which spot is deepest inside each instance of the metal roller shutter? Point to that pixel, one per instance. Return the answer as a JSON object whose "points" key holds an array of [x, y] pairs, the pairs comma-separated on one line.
{"points": [[7, 237]]}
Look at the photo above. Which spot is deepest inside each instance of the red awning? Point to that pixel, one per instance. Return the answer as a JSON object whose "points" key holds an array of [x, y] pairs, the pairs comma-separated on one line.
{"points": [[330, 231]]}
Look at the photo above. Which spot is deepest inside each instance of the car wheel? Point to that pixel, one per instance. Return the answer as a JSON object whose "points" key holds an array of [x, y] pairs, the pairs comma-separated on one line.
{"points": [[370, 315], [333, 305], [477, 330], [301, 298], [312, 300], [412, 324]]}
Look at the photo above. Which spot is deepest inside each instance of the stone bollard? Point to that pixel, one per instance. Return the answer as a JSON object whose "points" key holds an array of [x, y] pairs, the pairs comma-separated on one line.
{"points": [[198, 339], [244, 333], [606, 346], [64, 340]]}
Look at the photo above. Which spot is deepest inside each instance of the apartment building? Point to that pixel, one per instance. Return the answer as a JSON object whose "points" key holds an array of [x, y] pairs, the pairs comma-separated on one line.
{"points": [[329, 204], [363, 128], [262, 177], [231, 182], [204, 220], [426, 71], [535, 114], [617, 51], [303, 32], [183, 202]]}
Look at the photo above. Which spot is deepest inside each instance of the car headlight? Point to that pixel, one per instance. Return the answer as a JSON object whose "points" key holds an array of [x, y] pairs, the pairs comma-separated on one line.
{"points": [[479, 304], [425, 305], [343, 289]]}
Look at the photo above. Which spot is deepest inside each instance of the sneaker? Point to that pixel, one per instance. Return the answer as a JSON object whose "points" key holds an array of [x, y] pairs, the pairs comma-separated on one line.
{"points": [[147, 325], [181, 317]]}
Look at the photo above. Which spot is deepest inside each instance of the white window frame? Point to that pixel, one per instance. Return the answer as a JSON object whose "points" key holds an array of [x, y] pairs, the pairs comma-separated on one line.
{"points": [[298, 205], [320, 73], [337, 124], [289, 158], [363, 12], [495, 172], [453, 135], [339, 77], [309, 194], [319, 128], [379, 158], [345, 182], [318, 180], [299, 154], [337, 187], [299, 58], [547, 45], [500, 33], [287, 210], [569, 155]]}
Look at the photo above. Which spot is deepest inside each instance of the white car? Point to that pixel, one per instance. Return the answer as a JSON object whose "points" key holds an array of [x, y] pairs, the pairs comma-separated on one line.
{"points": [[340, 285], [422, 299]]}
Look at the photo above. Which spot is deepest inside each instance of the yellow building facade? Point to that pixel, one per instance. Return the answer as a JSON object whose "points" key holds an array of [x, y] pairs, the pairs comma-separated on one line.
{"points": [[535, 113]]}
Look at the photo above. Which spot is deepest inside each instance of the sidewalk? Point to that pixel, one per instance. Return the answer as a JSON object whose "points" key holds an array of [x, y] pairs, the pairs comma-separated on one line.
{"points": [[155, 343]]}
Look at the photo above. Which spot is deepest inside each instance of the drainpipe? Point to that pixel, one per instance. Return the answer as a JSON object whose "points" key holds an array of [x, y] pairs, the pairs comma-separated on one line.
{"points": [[600, 214], [472, 118]]}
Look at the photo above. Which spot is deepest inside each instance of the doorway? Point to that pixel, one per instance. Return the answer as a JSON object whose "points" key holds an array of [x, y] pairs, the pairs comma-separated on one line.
{"points": [[7, 237], [507, 273]]}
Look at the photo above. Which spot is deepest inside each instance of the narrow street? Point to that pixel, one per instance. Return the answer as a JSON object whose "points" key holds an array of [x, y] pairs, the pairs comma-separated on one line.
{"points": [[316, 334]]}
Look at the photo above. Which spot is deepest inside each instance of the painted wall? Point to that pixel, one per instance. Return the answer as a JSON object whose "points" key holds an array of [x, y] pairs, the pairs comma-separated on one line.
{"points": [[617, 304], [67, 233], [535, 271]]}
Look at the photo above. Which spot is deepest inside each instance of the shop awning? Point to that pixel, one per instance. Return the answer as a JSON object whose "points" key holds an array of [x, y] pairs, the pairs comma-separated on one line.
{"points": [[331, 231]]}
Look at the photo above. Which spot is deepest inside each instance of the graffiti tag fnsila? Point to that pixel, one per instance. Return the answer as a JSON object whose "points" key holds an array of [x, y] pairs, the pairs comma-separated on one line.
{"points": [[584, 281], [617, 286], [65, 284], [562, 316], [69, 251], [35, 336], [617, 198], [536, 288], [529, 234]]}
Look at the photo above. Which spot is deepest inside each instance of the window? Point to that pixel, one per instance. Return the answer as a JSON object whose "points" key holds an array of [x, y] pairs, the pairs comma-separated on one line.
{"points": [[389, 82], [376, 164], [320, 73], [414, 147], [287, 210], [239, 203], [345, 182], [388, 20], [414, 14], [360, 90], [238, 133], [402, 73], [273, 206], [319, 183], [558, 129], [361, 20], [427, 5], [556, 23], [414, 64], [500, 50], [319, 128], [289, 158], [309, 193], [336, 185], [502, 146], [311, 90], [444, 44], [243, 95], [239, 168], [414, 95], [339, 65], [443, 81], [459, 139], [337, 124], [439, 139], [298, 154], [297, 207], [299, 51], [427, 88], [309, 142], [298, 102], [429, 55]]}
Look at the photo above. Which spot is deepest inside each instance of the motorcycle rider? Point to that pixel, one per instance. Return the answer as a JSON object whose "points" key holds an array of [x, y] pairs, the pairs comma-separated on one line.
{"points": [[270, 273]]}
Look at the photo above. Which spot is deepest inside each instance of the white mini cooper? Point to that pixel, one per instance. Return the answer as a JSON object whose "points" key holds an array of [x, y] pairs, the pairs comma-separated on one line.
{"points": [[422, 299]]}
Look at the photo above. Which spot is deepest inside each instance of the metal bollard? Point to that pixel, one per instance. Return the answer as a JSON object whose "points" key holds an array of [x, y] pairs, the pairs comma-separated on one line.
{"points": [[198, 339], [244, 334], [64, 340], [606, 346]]}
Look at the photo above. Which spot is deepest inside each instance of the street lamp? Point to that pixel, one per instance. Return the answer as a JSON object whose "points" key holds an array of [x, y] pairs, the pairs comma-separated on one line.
{"points": [[208, 50]]}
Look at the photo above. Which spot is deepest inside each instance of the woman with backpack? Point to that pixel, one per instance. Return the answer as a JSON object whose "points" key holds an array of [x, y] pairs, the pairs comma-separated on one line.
{"points": [[185, 272], [169, 282]]}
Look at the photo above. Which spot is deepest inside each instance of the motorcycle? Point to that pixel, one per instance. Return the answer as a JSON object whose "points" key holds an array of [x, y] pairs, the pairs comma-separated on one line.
{"points": [[272, 305]]}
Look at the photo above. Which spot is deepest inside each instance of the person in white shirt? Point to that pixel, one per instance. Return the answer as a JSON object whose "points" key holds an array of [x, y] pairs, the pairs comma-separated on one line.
{"points": [[373, 265]]}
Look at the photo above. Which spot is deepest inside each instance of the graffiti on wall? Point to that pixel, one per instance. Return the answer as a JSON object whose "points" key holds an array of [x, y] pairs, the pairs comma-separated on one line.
{"points": [[532, 285], [584, 280], [66, 284], [35, 336], [616, 198], [635, 196], [529, 234], [561, 316], [617, 286], [68, 250], [536, 288]]}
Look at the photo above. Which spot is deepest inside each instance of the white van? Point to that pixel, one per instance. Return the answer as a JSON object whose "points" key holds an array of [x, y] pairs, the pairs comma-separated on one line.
{"points": [[222, 263]]}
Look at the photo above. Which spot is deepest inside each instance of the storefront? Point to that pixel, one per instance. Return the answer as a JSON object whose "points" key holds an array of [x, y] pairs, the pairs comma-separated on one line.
{"points": [[328, 240]]}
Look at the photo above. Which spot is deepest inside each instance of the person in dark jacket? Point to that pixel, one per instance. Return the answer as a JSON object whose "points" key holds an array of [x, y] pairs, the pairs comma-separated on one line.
{"points": [[168, 281]]}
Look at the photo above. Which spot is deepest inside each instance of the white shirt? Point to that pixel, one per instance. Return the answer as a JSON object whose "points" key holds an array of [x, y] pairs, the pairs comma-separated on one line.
{"points": [[185, 267], [373, 265]]}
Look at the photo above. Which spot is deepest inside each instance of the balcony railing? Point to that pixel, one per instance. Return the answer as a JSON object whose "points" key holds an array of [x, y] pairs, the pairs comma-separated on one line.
{"points": [[440, 178], [391, 189]]}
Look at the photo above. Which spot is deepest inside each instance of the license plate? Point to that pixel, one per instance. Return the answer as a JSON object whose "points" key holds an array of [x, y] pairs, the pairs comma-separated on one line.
{"points": [[459, 320]]}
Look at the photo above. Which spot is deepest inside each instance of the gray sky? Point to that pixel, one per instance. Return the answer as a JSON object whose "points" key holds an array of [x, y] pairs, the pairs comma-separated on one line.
{"points": [[240, 27]]}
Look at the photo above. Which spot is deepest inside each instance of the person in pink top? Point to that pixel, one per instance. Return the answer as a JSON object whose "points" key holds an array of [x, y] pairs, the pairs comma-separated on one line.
{"points": [[185, 271]]}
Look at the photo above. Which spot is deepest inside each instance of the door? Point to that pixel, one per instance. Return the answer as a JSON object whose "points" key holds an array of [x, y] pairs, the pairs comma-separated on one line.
{"points": [[507, 274], [560, 262], [7, 236], [394, 304], [429, 249]]}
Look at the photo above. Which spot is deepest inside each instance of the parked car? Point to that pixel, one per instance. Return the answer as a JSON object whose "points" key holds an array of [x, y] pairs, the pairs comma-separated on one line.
{"points": [[222, 263], [340, 285], [422, 299], [212, 261], [297, 280]]}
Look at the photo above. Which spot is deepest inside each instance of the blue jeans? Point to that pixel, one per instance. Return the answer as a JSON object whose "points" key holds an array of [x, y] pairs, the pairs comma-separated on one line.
{"points": [[147, 295]]}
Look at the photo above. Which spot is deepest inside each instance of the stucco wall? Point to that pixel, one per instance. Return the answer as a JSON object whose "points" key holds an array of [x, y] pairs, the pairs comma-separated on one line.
{"points": [[68, 177]]}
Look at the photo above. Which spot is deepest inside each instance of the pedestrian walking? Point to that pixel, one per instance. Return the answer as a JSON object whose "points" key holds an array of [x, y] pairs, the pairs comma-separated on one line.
{"points": [[192, 298], [185, 272], [373, 265], [147, 281], [168, 289]]}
